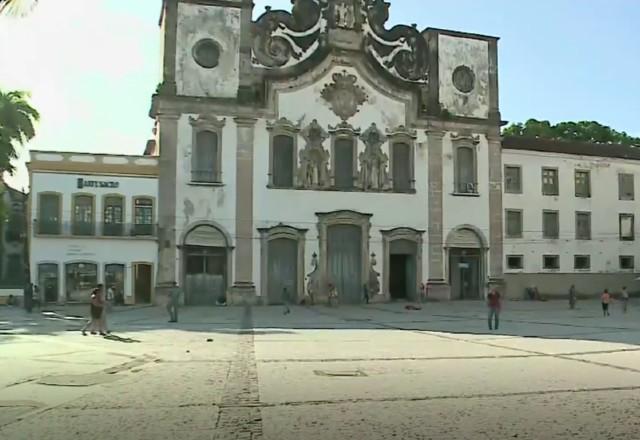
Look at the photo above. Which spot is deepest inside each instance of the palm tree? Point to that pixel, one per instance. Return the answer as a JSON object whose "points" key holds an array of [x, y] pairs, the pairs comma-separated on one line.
{"points": [[17, 119], [16, 7]]}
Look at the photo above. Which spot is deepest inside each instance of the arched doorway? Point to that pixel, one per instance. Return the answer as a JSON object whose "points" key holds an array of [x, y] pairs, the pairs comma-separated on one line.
{"points": [[402, 272], [466, 248], [205, 264]]}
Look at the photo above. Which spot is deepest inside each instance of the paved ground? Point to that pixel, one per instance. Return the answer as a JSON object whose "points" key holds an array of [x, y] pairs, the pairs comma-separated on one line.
{"points": [[376, 372]]}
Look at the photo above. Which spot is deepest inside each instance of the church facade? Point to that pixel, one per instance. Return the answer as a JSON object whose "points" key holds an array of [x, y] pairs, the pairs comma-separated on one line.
{"points": [[320, 148]]}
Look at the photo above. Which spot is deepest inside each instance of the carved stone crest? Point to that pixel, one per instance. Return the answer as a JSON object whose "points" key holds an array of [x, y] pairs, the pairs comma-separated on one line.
{"points": [[373, 161], [314, 159], [345, 14], [344, 95]]}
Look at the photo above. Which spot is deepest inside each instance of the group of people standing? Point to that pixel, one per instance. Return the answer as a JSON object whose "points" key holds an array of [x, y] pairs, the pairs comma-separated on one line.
{"points": [[100, 304], [605, 299]]}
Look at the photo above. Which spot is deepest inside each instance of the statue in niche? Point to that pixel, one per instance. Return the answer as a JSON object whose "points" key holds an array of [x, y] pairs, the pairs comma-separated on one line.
{"points": [[314, 159], [373, 161], [344, 14], [374, 282]]}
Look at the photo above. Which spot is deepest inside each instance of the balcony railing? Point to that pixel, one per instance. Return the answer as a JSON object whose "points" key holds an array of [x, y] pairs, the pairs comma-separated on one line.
{"points": [[81, 229], [204, 176]]}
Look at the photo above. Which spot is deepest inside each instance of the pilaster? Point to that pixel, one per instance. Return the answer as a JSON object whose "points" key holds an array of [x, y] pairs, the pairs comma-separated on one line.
{"points": [[496, 274], [170, 23], [167, 181], [244, 289]]}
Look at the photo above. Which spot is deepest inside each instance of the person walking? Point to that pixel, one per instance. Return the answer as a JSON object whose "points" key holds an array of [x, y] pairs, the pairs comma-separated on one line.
{"points": [[286, 300], [333, 295], [625, 299], [110, 299], [96, 308], [494, 303], [606, 299], [572, 297], [173, 302], [365, 290], [103, 327], [27, 295]]}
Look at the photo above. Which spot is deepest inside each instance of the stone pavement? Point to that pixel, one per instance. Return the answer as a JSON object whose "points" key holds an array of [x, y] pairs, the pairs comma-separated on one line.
{"points": [[374, 372]]}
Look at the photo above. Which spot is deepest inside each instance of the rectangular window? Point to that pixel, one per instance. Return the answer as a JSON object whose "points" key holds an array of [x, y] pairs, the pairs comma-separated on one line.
{"points": [[583, 226], [550, 182], [583, 183], [204, 162], [582, 262], [514, 223], [627, 232], [551, 262], [465, 173], [83, 215], [627, 262], [343, 163], [550, 224], [113, 216], [626, 187], [143, 217], [283, 156], [512, 179], [401, 167], [49, 215], [515, 262]]}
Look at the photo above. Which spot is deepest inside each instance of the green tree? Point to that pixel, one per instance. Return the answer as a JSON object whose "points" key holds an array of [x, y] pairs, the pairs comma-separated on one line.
{"points": [[17, 119], [16, 7], [584, 131]]}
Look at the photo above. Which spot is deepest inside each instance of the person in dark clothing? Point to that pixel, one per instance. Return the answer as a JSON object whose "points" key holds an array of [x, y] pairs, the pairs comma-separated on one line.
{"points": [[95, 324], [365, 290], [285, 300], [494, 303], [173, 302], [28, 297], [572, 297]]}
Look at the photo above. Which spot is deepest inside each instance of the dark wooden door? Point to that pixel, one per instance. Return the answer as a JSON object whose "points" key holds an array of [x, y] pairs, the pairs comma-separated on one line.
{"points": [[283, 270], [344, 246], [142, 283]]}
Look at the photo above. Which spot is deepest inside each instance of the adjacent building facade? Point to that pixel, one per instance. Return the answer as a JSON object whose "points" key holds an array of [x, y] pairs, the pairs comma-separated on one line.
{"points": [[569, 211], [317, 147], [92, 220]]}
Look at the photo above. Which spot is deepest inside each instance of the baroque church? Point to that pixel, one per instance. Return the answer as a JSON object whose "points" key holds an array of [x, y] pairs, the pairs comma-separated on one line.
{"points": [[321, 147]]}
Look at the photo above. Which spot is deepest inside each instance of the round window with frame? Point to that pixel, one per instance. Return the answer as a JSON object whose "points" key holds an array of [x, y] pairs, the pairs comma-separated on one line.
{"points": [[206, 53]]}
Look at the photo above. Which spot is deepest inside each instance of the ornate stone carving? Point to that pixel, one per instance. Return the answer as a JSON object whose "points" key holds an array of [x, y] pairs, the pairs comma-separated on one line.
{"points": [[279, 36], [402, 50], [314, 159], [374, 282], [283, 124], [373, 161], [344, 95], [346, 14]]}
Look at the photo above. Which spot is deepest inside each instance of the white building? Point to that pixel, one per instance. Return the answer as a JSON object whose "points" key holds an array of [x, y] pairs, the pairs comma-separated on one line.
{"points": [[570, 212], [92, 220], [306, 143]]}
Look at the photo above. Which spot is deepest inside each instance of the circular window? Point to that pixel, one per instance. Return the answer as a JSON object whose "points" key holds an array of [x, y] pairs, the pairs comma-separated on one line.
{"points": [[206, 53], [464, 79]]}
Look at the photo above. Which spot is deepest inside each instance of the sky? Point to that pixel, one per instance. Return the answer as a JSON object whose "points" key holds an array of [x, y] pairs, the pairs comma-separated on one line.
{"points": [[92, 65]]}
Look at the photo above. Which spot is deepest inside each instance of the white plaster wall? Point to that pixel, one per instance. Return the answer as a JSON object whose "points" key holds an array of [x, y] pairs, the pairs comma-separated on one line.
{"points": [[307, 104], [99, 250], [605, 246], [459, 210], [199, 203], [457, 51], [222, 24], [66, 184], [298, 208]]}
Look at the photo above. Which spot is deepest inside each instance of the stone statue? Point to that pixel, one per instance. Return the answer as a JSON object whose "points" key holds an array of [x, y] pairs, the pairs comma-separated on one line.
{"points": [[374, 282], [314, 159], [373, 161]]}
